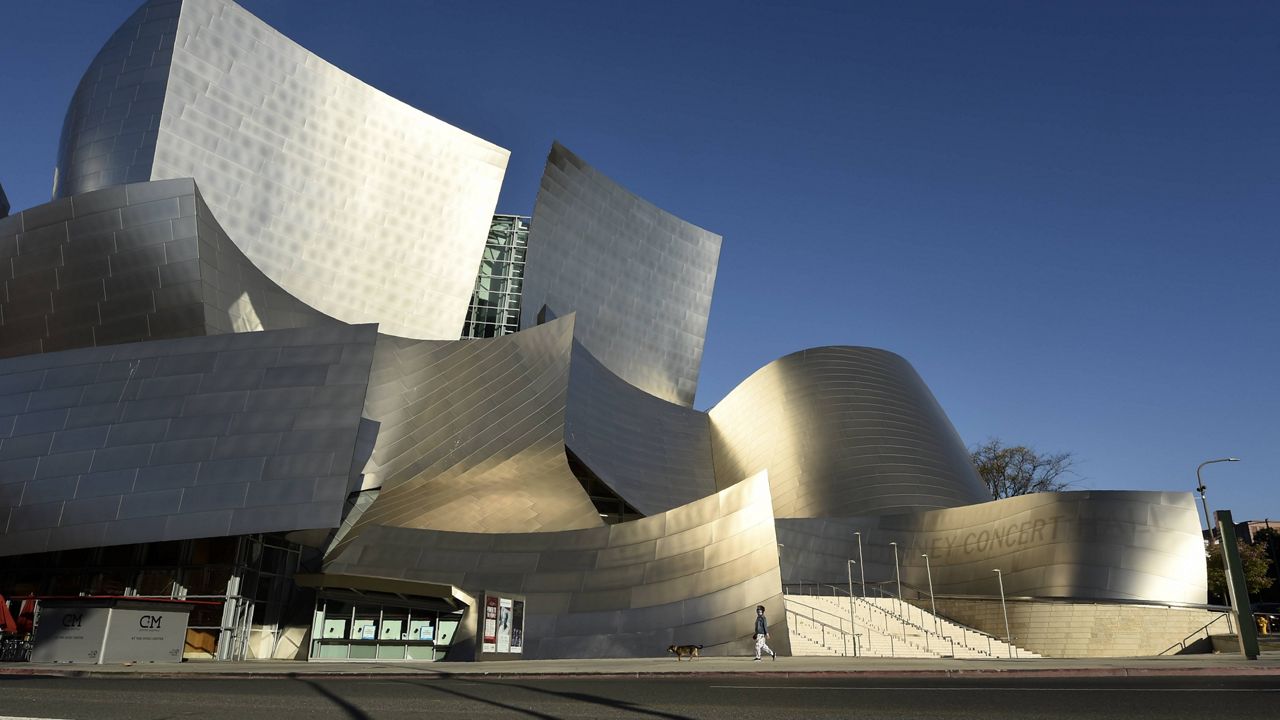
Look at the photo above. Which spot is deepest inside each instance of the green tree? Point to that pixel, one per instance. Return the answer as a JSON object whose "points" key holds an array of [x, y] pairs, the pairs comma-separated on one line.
{"points": [[1011, 470], [1254, 561]]}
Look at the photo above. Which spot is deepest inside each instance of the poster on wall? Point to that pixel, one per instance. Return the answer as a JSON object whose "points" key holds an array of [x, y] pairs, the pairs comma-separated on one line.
{"points": [[517, 626], [504, 625], [490, 643]]}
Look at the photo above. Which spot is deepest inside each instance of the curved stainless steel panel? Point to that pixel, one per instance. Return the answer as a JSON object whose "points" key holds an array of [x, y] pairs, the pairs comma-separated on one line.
{"points": [[689, 575], [472, 435], [639, 278], [1100, 545], [654, 454], [110, 129], [131, 262], [357, 204], [843, 431], [174, 439]]}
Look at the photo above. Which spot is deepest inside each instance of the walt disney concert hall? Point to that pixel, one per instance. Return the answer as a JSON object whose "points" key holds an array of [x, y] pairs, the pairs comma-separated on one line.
{"points": [[270, 351]]}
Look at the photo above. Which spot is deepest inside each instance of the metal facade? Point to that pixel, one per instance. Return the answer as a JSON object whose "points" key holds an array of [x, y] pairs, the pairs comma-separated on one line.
{"points": [[127, 263], [639, 278], [689, 575], [471, 435], [1098, 545], [175, 439], [654, 454], [357, 204], [843, 431], [260, 407], [112, 123]]}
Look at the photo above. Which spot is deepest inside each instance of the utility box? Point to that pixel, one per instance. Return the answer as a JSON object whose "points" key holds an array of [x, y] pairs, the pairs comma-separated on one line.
{"points": [[110, 630]]}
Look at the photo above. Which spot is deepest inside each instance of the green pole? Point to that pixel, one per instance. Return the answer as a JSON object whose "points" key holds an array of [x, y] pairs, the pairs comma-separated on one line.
{"points": [[1239, 591]]}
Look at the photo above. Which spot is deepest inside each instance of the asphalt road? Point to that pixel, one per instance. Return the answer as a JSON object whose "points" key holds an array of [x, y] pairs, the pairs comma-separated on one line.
{"points": [[671, 698]]}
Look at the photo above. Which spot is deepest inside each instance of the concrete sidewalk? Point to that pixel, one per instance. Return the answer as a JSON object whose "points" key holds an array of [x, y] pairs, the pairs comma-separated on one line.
{"points": [[1220, 665]]}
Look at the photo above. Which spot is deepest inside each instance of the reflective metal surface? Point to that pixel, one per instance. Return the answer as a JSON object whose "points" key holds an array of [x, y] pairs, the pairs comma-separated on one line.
{"points": [[639, 278], [365, 210], [112, 123], [471, 435], [1101, 545], [128, 263], [357, 204], [843, 431], [690, 575], [173, 439], [654, 454]]}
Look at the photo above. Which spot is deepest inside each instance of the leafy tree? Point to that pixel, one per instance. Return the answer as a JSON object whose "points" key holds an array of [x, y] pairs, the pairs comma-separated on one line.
{"points": [[1254, 561], [1015, 470]]}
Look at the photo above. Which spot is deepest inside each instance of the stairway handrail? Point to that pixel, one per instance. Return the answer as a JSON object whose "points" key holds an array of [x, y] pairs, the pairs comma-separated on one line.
{"points": [[843, 635], [1182, 644], [923, 630], [905, 638]]}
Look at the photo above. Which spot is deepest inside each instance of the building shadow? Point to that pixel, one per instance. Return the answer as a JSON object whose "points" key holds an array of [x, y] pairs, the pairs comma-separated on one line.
{"points": [[585, 698], [352, 711]]}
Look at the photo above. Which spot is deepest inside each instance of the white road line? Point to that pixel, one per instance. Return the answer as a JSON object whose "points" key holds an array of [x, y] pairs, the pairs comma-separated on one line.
{"points": [[988, 689], [17, 717]]}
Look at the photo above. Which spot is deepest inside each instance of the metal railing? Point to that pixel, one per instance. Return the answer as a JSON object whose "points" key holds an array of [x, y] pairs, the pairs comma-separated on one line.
{"points": [[886, 588], [1194, 635], [891, 621], [968, 638], [822, 629]]}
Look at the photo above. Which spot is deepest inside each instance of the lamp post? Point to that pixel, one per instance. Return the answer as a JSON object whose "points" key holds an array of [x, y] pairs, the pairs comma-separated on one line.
{"points": [[933, 604], [862, 568], [897, 574], [849, 568], [1008, 637], [1208, 524]]}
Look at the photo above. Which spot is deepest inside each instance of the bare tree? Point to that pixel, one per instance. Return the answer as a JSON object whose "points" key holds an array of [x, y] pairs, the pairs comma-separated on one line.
{"points": [[1015, 470]]}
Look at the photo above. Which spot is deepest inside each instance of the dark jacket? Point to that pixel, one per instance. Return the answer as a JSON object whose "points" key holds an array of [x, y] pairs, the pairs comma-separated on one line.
{"points": [[762, 625]]}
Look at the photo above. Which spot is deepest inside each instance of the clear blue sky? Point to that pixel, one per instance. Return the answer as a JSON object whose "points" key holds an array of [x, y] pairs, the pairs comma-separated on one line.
{"points": [[1064, 215]]}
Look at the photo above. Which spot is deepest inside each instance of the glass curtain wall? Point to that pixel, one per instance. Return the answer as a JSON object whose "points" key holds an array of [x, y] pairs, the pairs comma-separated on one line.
{"points": [[495, 304]]}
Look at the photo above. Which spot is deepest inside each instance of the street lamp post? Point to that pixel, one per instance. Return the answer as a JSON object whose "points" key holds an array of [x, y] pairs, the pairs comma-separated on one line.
{"points": [[933, 603], [1008, 637], [1204, 503], [849, 568], [898, 575], [862, 569]]}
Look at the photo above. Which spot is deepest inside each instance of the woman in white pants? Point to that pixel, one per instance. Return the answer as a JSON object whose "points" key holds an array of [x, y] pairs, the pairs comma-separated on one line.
{"points": [[762, 634]]}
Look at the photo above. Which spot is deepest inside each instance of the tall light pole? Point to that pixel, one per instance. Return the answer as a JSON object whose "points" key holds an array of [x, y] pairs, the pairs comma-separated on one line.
{"points": [[932, 602], [849, 568], [1208, 524], [897, 574], [862, 568], [1008, 637]]}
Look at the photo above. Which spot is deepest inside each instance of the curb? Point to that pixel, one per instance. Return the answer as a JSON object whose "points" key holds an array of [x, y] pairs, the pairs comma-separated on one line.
{"points": [[500, 675]]}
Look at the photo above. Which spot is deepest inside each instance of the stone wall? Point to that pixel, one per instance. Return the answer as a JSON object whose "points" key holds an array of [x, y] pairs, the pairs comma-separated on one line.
{"points": [[1082, 629]]}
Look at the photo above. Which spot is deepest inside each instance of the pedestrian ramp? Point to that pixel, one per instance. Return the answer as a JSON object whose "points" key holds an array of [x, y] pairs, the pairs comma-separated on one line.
{"points": [[884, 628]]}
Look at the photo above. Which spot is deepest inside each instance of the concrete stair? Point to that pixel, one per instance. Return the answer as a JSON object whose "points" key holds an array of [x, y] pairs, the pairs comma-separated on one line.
{"points": [[884, 627]]}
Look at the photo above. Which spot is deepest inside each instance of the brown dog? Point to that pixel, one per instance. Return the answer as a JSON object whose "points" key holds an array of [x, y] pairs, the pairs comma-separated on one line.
{"points": [[684, 650]]}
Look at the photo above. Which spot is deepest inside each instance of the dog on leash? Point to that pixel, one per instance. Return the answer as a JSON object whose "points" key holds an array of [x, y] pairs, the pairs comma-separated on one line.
{"points": [[690, 651]]}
